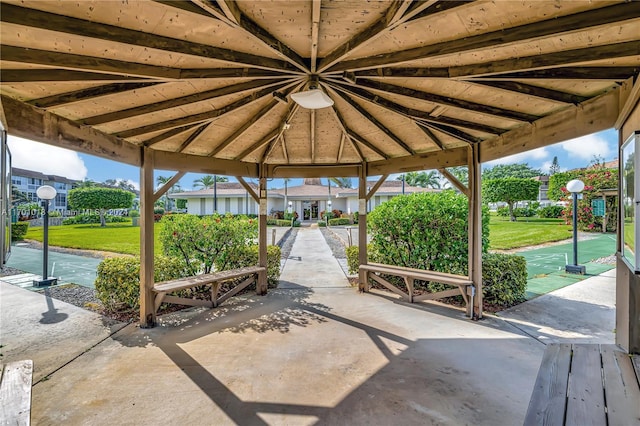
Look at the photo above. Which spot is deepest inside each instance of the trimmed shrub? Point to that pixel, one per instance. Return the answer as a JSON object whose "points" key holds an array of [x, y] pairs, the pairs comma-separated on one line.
{"points": [[322, 223], [248, 256], [352, 259], [551, 212], [19, 230], [118, 280], [339, 221], [504, 279], [83, 219], [524, 212]]}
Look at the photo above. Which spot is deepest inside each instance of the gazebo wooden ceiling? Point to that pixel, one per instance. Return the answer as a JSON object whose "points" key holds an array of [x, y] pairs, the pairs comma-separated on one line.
{"points": [[414, 82]]}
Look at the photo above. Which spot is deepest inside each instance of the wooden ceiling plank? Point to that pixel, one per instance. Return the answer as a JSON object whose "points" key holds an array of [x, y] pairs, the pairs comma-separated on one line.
{"points": [[50, 21], [198, 73], [230, 10], [345, 132], [32, 123], [166, 135], [425, 9], [187, 6], [87, 94], [211, 8], [594, 115], [630, 97], [270, 137], [84, 63], [181, 101], [403, 72], [553, 26], [203, 116], [537, 91], [53, 75], [447, 100], [315, 32], [398, 8], [451, 131], [355, 136], [193, 136], [411, 112], [376, 123], [432, 136], [568, 73], [312, 135], [548, 60]]}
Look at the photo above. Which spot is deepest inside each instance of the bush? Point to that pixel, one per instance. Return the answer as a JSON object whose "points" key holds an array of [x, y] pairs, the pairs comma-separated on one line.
{"points": [[502, 211], [339, 222], [322, 223], [248, 256], [353, 261], [504, 279], [118, 280], [83, 219], [134, 213], [550, 212], [524, 212], [19, 230]]}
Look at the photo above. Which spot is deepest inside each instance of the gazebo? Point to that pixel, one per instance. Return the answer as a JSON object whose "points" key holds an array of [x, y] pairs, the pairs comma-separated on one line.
{"points": [[320, 88]]}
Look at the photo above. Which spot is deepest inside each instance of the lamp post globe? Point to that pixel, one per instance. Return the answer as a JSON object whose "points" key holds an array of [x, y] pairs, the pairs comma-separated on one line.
{"points": [[46, 193], [575, 186]]}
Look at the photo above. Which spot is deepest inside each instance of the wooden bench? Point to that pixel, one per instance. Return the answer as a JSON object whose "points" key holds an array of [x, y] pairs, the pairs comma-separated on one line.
{"points": [[585, 384], [463, 284], [15, 392], [162, 289]]}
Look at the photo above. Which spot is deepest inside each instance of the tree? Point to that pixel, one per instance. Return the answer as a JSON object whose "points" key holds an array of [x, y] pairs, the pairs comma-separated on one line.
{"points": [[422, 179], [17, 196], [510, 190], [208, 181], [461, 173], [162, 180], [343, 182], [555, 167], [503, 171], [100, 199], [120, 184], [87, 183]]}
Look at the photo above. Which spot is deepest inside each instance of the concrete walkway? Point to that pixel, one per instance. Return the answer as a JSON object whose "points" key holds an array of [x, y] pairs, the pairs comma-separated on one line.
{"points": [[314, 351]]}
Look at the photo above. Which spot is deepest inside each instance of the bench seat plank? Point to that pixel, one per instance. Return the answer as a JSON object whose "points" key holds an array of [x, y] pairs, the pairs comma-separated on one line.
{"points": [[585, 398], [547, 404], [419, 274], [621, 390], [15, 392]]}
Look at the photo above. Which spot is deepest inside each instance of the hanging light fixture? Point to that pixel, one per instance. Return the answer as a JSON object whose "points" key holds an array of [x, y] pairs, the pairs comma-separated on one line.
{"points": [[313, 98]]}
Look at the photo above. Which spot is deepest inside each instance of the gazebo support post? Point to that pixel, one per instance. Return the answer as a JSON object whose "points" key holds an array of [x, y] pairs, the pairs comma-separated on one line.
{"points": [[262, 233], [475, 231], [147, 311], [362, 227]]}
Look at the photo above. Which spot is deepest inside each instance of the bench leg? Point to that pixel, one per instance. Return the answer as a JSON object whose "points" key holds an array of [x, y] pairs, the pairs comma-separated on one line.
{"points": [[158, 302], [215, 287], [409, 283]]}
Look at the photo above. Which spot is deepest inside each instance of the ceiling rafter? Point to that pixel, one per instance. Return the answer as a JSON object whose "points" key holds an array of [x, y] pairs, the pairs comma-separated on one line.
{"points": [[87, 94], [540, 92], [53, 75], [341, 147], [345, 135], [312, 134], [181, 101], [315, 32], [186, 6], [417, 12], [568, 73], [203, 116], [211, 8], [50, 21], [447, 100], [412, 112], [282, 125], [554, 26], [376, 123], [168, 134], [193, 136], [434, 138], [451, 131]]}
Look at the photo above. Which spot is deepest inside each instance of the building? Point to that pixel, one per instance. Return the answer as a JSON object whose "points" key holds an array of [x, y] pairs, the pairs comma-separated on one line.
{"points": [[309, 200], [28, 182]]}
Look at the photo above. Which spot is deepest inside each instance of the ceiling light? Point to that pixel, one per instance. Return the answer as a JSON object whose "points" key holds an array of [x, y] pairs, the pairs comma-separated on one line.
{"points": [[312, 99]]}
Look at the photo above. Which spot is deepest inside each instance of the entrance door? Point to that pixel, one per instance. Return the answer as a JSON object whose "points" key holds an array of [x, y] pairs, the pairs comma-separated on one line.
{"points": [[314, 210]]}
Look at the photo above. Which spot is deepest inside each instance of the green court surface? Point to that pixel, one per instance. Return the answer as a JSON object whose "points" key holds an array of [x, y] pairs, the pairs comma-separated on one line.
{"points": [[545, 266]]}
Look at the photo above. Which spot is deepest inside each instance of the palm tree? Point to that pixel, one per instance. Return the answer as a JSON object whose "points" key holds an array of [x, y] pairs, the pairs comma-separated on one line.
{"points": [[208, 182], [343, 182], [162, 180], [422, 179]]}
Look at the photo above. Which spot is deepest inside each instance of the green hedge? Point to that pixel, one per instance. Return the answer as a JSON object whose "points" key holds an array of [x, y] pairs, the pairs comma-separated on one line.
{"points": [[248, 256], [93, 218], [504, 277], [550, 212], [118, 280], [339, 221], [19, 230]]}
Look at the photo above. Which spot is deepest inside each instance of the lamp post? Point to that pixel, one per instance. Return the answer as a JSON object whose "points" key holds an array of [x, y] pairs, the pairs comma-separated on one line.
{"points": [[328, 211], [575, 186], [46, 193]]}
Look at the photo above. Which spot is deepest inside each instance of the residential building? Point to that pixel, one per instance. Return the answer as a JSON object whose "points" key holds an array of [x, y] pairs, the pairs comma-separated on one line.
{"points": [[28, 182]]}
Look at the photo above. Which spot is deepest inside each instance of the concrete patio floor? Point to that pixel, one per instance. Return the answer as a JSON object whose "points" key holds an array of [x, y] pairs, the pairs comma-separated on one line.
{"points": [[314, 351]]}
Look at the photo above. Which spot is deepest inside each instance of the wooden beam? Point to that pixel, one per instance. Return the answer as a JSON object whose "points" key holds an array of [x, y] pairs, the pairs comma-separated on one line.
{"points": [[426, 161], [360, 139], [167, 186], [86, 94], [192, 137], [49, 21], [553, 26], [629, 103], [273, 135], [203, 116], [451, 131], [433, 7], [343, 127], [475, 231], [181, 101], [341, 148], [315, 31], [376, 186], [537, 91], [284, 148], [454, 181], [29, 122], [312, 134], [403, 72], [188, 6], [613, 73], [248, 188], [447, 100], [166, 135], [397, 9], [230, 10], [317, 171], [411, 112], [594, 115], [262, 230], [166, 160], [147, 308], [363, 257], [282, 126], [376, 123], [432, 136]]}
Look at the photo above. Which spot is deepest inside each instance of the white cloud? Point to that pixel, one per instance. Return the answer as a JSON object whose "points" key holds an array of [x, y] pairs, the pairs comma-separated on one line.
{"points": [[47, 159], [523, 157], [586, 147]]}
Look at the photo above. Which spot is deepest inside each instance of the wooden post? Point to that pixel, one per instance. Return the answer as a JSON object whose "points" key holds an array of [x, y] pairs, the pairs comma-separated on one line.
{"points": [[262, 233], [362, 228], [475, 230], [147, 311]]}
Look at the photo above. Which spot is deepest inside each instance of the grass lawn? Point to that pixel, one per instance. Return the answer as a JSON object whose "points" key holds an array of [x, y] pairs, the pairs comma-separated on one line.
{"points": [[504, 235], [115, 237]]}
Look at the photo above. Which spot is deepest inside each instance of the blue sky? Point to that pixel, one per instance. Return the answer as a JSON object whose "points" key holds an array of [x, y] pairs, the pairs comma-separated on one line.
{"points": [[51, 160]]}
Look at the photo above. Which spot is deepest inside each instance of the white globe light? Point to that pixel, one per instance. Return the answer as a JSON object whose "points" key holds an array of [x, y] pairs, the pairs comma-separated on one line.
{"points": [[575, 185], [46, 192]]}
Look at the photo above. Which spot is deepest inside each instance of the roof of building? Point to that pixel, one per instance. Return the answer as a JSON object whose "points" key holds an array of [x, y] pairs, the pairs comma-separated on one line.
{"points": [[15, 171]]}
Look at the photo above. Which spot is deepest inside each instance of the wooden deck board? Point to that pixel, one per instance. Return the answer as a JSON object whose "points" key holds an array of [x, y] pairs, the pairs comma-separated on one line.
{"points": [[622, 392]]}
